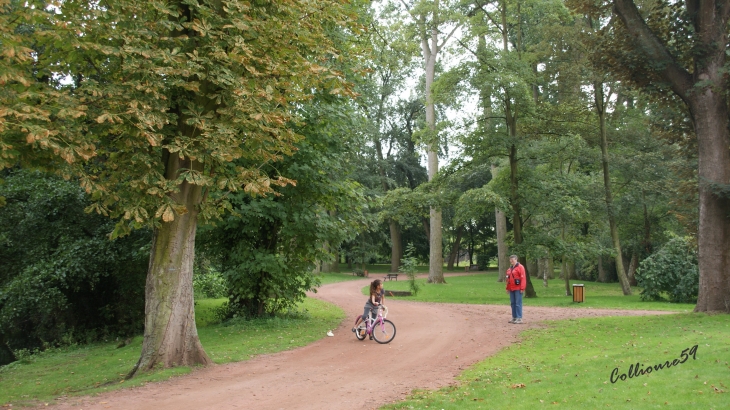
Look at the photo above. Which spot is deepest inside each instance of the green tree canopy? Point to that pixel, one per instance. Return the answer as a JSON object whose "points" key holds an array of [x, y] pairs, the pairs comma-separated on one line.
{"points": [[156, 107]]}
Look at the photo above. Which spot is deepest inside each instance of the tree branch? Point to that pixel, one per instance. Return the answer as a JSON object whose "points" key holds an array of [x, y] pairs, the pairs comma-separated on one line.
{"points": [[443, 43], [480, 6], [710, 21], [679, 79], [405, 5], [480, 60]]}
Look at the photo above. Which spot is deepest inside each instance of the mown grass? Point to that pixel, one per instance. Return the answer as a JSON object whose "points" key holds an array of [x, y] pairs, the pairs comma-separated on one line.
{"points": [[100, 367], [483, 288], [569, 365]]}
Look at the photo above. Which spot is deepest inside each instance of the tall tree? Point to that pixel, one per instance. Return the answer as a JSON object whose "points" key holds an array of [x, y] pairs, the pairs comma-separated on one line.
{"points": [[164, 99], [680, 48], [431, 18], [601, 101], [388, 71], [506, 74], [267, 250]]}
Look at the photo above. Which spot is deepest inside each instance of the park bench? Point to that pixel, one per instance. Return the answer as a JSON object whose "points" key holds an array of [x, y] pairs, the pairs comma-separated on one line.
{"points": [[391, 276]]}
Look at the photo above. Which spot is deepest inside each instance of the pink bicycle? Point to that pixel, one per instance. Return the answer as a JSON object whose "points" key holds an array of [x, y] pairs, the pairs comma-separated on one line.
{"points": [[379, 328]]}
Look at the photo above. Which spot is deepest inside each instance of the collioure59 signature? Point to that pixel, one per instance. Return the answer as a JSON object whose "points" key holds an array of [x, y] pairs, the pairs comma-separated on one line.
{"points": [[636, 370]]}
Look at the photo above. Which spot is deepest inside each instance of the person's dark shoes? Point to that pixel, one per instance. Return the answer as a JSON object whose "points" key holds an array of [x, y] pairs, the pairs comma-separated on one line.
{"points": [[512, 320]]}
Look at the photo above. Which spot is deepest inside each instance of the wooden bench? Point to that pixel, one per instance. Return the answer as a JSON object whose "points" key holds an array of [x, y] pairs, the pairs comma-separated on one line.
{"points": [[391, 276]]}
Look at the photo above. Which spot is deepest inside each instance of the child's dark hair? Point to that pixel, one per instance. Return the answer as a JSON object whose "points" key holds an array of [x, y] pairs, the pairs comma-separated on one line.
{"points": [[374, 287]]}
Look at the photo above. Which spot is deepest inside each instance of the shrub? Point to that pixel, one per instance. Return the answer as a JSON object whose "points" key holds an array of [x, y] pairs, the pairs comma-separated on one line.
{"points": [[488, 253], [209, 283], [672, 269], [63, 281], [483, 260], [409, 266]]}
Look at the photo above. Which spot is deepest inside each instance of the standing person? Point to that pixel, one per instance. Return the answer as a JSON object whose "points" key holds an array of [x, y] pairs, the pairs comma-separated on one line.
{"points": [[516, 284], [377, 298]]}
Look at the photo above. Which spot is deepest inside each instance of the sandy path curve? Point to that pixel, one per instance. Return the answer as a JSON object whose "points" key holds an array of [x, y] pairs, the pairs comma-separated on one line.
{"points": [[434, 343]]}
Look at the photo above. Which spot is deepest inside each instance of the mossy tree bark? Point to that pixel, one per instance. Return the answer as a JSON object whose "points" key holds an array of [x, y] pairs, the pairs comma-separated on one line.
{"points": [[170, 335]]}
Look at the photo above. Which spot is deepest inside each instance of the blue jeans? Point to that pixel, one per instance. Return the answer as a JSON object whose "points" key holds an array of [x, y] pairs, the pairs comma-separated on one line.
{"points": [[515, 300]]}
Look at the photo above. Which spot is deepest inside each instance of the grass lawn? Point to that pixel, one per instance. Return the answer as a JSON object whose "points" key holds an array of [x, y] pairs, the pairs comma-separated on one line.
{"points": [[570, 365], [95, 368], [484, 289]]}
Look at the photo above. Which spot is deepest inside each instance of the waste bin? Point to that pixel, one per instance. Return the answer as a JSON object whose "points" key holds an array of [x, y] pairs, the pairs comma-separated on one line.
{"points": [[578, 293]]}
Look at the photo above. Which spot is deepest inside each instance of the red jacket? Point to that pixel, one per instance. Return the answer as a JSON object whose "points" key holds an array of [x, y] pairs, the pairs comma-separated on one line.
{"points": [[516, 273]]}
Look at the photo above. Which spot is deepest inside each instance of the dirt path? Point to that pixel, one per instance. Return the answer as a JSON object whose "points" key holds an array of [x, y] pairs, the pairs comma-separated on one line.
{"points": [[433, 344]]}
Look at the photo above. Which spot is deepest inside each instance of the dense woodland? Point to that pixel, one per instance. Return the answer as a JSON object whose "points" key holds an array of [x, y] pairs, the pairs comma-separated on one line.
{"points": [[250, 145]]}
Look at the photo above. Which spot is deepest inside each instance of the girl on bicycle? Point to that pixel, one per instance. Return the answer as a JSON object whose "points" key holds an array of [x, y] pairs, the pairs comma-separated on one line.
{"points": [[377, 298]]}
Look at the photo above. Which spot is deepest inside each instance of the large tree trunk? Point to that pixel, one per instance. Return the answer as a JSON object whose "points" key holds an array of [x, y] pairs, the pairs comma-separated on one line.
{"points": [[703, 90], [396, 247], [711, 126], [436, 252], [170, 335], [435, 256]]}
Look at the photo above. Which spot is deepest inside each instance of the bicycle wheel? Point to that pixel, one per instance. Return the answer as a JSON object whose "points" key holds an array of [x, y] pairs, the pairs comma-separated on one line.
{"points": [[385, 332], [360, 331]]}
